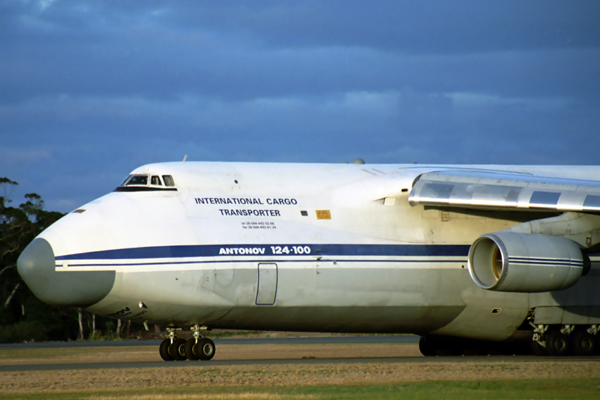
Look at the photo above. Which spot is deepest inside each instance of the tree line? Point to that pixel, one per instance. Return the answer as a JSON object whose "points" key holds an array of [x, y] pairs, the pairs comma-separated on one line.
{"points": [[22, 316]]}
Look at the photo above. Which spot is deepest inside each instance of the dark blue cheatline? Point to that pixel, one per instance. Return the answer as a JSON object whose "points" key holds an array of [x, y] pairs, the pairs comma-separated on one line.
{"points": [[407, 250]]}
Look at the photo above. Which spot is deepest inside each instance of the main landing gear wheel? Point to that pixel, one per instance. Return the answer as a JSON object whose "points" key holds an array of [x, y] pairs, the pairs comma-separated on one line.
{"points": [[426, 347], [557, 343], [205, 349], [440, 346], [585, 344]]}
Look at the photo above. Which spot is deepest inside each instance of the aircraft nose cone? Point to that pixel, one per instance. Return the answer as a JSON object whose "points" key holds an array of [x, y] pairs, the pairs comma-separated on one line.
{"points": [[36, 265]]}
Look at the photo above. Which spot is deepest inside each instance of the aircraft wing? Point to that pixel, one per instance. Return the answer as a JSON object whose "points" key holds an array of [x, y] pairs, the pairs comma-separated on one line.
{"points": [[504, 190]]}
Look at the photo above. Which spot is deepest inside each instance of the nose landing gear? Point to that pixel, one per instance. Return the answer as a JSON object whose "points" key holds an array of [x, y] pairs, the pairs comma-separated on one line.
{"points": [[196, 348]]}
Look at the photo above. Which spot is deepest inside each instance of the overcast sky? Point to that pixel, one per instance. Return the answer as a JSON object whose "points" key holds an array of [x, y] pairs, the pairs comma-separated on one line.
{"points": [[89, 90]]}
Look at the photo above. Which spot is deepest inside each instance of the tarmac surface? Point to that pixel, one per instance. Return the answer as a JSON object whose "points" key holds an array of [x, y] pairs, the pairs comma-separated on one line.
{"points": [[276, 340], [306, 341]]}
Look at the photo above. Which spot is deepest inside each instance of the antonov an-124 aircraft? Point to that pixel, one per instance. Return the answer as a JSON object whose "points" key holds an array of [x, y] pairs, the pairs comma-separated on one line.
{"points": [[475, 259]]}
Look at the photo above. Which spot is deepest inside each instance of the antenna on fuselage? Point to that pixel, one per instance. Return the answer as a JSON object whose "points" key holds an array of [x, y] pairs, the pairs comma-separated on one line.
{"points": [[184, 158]]}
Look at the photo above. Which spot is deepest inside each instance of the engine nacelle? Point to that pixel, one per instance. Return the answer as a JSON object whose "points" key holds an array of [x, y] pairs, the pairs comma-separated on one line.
{"points": [[521, 262]]}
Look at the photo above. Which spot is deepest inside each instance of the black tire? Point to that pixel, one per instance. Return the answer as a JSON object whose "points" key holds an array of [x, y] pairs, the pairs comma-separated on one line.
{"points": [[189, 349], [164, 350], [519, 348], [537, 349], [476, 348], [585, 344], [205, 349], [426, 346], [177, 350], [450, 347], [557, 343]]}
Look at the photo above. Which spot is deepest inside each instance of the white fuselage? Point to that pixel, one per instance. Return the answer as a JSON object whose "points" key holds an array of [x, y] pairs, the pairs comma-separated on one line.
{"points": [[295, 247]]}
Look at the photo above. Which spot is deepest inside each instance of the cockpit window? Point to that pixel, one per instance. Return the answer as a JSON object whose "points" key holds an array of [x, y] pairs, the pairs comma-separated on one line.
{"points": [[145, 183], [155, 180], [168, 180], [136, 180]]}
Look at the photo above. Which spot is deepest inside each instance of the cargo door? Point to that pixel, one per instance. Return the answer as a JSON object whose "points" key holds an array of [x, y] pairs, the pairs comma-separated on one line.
{"points": [[267, 284]]}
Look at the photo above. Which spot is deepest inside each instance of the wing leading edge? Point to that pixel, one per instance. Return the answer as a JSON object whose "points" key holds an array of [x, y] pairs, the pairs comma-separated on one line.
{"points": [[485, 189]]}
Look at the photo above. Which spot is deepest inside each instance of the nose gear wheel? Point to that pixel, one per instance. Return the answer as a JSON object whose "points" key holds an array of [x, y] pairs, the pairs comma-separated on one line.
{"points": [[205, 349], [196, 348]]}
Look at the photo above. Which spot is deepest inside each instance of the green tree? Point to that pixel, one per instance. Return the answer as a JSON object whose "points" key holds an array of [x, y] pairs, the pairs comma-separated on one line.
{"points": [[22, 315]]}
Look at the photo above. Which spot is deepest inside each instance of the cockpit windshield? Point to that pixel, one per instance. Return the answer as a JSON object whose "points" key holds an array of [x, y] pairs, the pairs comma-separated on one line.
{"points": [[136, 180], [143, 182]]}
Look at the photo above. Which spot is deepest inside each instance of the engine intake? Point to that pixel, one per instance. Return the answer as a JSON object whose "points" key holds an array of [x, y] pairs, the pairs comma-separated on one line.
{"points": [[521, 262]]}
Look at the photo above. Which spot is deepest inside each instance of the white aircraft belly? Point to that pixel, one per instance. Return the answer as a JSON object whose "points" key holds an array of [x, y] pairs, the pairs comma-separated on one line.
{"points": [[206, 295]]}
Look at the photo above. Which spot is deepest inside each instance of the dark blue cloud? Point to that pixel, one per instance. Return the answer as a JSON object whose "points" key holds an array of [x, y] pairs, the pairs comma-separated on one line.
{"points": [[273, 48], [408, 27]]}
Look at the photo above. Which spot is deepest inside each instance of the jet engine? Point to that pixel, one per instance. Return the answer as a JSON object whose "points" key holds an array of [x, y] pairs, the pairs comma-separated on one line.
{"points": [[522, 262]]}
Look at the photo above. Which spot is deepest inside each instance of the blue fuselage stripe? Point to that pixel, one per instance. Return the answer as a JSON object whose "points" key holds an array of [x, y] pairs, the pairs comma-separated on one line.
{"points": [[274, 260], [282, 250]]}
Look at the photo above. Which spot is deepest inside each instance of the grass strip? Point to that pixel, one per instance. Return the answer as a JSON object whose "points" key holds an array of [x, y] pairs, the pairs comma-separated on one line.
{"points": [[573, 388]]}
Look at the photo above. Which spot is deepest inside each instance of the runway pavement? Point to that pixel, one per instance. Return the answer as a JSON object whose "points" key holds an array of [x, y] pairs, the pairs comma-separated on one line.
{"points": [[317, 340], [276, 340], [394, 339], [209, 364]]}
